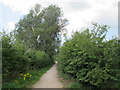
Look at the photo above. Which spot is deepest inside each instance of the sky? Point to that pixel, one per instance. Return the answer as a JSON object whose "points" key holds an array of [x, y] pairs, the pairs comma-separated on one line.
{"points": [[79, 13]]}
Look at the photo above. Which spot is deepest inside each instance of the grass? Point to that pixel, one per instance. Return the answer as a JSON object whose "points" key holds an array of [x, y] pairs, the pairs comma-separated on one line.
{"points": [[29, 81], [75, 85], [63, 75], [65, 78]]}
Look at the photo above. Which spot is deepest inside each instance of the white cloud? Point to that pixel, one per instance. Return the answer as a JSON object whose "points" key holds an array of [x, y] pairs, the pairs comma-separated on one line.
{"points": [[101, 11], [23, 6], [81, 19], [10, 26]]}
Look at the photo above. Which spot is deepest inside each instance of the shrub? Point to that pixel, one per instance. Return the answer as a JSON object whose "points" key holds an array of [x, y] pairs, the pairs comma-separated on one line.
{"points": [[38, 59], [42, 59], [14, 59], [17, 58], [90, 59]]}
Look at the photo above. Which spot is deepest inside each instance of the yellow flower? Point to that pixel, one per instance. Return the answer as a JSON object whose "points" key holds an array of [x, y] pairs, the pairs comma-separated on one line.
{"points": [[21, 74], [16, 81], [24, 78], [27, 73], [30, 75]]}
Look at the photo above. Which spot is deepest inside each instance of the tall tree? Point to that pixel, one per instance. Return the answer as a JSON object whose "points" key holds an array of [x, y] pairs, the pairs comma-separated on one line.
{"points": [[42, 28]]}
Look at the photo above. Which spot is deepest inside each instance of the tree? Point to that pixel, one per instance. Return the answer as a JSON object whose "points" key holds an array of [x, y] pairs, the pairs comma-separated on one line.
{"points": [[41, 28]]}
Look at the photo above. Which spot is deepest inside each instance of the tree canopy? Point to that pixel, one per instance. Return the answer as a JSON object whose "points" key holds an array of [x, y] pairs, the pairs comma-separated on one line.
{"points": [[41, 28]]}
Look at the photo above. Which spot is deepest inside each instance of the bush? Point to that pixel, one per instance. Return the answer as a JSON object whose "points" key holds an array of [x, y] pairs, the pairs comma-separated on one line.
{"points": [[17, 58], [38, 59], [41, 59], [90, 59], [14, 59]]}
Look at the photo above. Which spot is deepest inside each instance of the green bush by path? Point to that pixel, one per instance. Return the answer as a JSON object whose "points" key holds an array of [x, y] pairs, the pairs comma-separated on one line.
{"points": [[14, 59], [30, 78], [17, 59], [38, 59], [89, 59]]}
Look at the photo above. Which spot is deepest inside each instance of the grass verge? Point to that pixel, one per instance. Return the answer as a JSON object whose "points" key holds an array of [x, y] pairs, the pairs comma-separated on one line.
{"points": [[64, 78], [74, 84], [27, 82]]}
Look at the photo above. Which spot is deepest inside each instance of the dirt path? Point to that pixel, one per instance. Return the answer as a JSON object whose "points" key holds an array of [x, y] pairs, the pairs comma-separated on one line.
{"points": [[49, 79]]}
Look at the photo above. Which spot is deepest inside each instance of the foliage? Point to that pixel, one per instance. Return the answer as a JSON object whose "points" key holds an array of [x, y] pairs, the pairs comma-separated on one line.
{"points": [[41, 29], [38, 59], [88, 58], [16, 58], [13, 58], [21, 83], [33, 44], [77, 85]]}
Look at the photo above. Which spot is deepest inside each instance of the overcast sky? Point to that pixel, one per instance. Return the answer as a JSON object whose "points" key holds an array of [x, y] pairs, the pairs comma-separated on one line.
{"points": [[79, 13]]}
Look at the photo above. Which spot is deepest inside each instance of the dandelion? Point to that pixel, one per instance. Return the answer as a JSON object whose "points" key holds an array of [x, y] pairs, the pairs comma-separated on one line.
{"points": [[24, 78], [27, 73], [21, 74], [16, 81], [30, 75]]}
